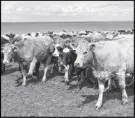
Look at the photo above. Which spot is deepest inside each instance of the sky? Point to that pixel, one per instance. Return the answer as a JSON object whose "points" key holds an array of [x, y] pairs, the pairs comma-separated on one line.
{"points": [[60, 11]]}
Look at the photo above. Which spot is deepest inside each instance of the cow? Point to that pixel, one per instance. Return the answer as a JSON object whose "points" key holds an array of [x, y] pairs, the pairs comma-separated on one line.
{"points": [[4, 40], [30, 52], [2, 64], [66, 57], [13, 38], [112, 60], [94, 37]]}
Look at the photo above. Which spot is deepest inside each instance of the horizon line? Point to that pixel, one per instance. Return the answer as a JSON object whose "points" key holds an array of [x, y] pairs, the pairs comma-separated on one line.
{"points": [[65, 21]]}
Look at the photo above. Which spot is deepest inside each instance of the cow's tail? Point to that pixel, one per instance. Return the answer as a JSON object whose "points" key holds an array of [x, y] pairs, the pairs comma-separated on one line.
{"points": [[131, 81]]}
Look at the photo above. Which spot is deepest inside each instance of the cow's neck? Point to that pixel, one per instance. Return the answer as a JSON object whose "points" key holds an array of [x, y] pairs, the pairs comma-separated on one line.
{"points": [[17, 58], [95, 60]]}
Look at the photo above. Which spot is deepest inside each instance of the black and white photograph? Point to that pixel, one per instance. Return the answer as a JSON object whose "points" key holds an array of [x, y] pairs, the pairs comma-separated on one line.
{"points": [[67, 58]]}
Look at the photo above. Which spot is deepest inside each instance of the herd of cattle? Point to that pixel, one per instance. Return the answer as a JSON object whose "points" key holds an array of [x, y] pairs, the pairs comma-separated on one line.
{"points": [[98, 57]]}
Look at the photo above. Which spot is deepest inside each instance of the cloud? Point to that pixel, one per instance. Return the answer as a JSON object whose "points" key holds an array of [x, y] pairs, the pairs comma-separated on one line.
{"points": [[58, 10]]}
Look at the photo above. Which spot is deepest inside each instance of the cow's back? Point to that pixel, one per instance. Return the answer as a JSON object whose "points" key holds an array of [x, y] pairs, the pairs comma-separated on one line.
{"points": [[43, 39], [35, 47], [111, 55]]}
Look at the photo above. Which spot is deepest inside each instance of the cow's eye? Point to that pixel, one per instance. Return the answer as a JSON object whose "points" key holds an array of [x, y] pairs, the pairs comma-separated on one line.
{"points": [[85, 53], [9, 53]]}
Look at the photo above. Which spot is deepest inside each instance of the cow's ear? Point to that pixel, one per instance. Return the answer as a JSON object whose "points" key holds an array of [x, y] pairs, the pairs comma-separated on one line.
{"points": [[13, 35], [92, 47], [7, 35]]}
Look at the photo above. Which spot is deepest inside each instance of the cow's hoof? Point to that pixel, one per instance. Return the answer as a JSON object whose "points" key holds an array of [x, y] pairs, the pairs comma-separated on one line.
{"points": [[95, 87], [67, 82], [98, 106], [35, 74], [51, 72], [124, 101], [78, 89], [23, 84], [107, 90], [29, 75], [43, 81]]}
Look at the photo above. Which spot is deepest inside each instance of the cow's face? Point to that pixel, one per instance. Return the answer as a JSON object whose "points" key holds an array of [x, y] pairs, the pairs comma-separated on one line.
{"points": [[66, 56], [84, 57], [58, 50], [80, 57], [8, 52], [79, 61]]}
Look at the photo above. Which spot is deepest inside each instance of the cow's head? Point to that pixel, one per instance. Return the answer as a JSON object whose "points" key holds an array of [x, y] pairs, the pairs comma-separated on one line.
{"points": [[29, 34], [58, 50], [68, 55], [84, 57], [11, 37], [8, 51]]}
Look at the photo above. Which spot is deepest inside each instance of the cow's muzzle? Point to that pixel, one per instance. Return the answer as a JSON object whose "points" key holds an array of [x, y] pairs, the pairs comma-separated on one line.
{"points": [[77, 65]]}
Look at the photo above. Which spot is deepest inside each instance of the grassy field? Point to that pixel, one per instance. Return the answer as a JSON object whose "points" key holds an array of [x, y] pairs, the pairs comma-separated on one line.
{"points": [[55, 98]]}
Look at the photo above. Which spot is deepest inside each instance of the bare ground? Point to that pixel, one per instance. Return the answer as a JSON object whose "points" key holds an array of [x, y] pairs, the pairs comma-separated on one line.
{"points": [[55, 98]]}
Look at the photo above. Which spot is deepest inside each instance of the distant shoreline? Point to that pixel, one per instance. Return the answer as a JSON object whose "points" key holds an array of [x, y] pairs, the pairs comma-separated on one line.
{"points": [[26, 27]]}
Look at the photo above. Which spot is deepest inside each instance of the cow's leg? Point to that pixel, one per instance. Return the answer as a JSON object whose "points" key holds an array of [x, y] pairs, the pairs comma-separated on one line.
{"points": [[23, 70], [78, 76], [71, 69], [122, 84], [52, 68], [113, 83], [19, 68], [66, 73], [45, 74], [60, 68], [81, 81], [95, 84], [100, 97], [94, 81], [3, 67], [108, 86], [89, 76], [32, 67], [37, 69]]}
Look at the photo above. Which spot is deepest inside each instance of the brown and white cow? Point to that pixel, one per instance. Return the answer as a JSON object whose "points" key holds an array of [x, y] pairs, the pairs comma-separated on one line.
{"points": [[66, 57], [113, 59], [31, 52]]}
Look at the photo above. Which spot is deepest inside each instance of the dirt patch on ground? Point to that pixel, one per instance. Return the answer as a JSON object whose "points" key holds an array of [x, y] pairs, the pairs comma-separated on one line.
{"points": [[55, 98]]}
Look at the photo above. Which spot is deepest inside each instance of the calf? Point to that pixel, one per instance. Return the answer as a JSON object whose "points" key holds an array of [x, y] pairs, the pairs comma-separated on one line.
{"points": [[66, 56]]}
